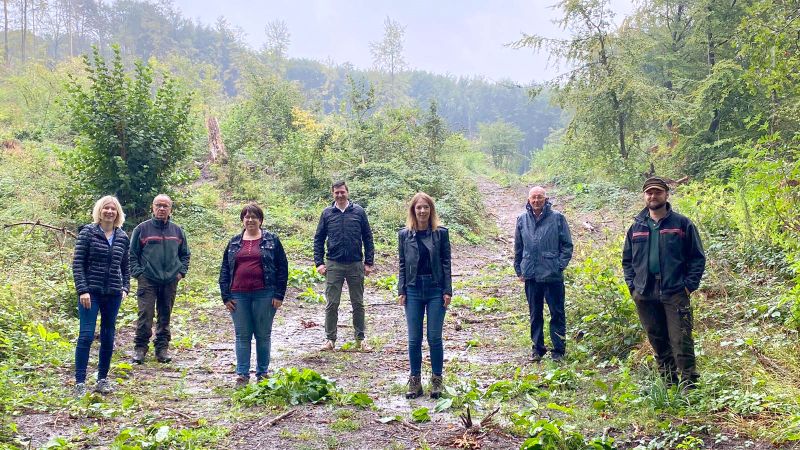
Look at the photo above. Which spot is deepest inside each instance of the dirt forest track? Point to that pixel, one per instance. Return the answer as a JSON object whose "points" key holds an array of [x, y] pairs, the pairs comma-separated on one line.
{"points": [[483, 346], [383, 372]]}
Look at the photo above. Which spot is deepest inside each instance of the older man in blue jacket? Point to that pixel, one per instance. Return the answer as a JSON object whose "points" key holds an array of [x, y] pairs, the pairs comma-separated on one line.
{"points": [[542, 250]]}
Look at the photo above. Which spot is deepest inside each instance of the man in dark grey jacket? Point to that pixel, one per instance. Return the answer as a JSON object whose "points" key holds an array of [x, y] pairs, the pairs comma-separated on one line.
{"points": [[663, 261], [345, 227], [542, 250], [159, 259]]}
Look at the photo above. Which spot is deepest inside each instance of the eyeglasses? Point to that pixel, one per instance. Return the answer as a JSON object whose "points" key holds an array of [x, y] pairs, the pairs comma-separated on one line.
{"points": [[161, 206]]}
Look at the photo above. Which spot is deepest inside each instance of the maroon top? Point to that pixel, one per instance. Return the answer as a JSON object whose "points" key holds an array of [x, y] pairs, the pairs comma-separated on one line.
{"points": [[248, 275]]}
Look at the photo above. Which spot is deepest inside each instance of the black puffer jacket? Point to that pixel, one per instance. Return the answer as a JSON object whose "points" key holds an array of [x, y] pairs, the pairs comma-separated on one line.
{"points": [[344, 231], [679, 249], [438, 244], [97, 267], [273, 263]]}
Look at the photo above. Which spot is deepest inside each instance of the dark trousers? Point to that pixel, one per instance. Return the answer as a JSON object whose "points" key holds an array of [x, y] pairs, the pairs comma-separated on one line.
{"points": [[552, 292], [667, 320], [108, 307], [154, 298]]}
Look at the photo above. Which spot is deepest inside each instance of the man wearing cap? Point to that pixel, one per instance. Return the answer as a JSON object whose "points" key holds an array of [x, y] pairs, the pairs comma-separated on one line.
{"points": [[542, 250], [663, 261]]}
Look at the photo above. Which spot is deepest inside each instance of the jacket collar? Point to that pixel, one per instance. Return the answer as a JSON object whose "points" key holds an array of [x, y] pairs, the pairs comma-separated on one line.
{"points": [[349, 205], [546, 211], [161, 223], [96, 229], [238, 238], [645, 213]]}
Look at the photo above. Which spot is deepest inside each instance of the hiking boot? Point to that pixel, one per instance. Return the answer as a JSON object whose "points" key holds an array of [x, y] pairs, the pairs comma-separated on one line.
{"points": [[261, 377], [103, 386], [328, 346], [138, 355], [414, 387], [437, 386], [535, 357], [162, 355], [80, 390], [241, 381], [557, 357], [361, 346]]}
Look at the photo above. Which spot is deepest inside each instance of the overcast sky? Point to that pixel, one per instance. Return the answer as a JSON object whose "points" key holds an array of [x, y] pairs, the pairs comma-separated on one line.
{"points": [[457, 37]]}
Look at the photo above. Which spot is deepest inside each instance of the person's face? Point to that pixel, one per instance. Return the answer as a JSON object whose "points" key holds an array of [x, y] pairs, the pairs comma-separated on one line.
{"points": [[422, 211], [162, 208], [537, 199], [251, 222], [655, 198], [108, 213], [340, 194]]}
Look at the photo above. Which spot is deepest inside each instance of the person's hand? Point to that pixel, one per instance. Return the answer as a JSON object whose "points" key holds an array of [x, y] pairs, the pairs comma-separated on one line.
{"points": [[402, 300], [687, 291], [86, 300], [231, 305], [178, 277], [322, 269], [447, 298], [124, 295], [368, 269], [521, 279], [276, 303]]}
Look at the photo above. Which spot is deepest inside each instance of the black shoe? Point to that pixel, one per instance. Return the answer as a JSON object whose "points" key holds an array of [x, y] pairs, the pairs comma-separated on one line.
{"points": [[163, 356], [535, 357], [557, 357], [139, 354]]}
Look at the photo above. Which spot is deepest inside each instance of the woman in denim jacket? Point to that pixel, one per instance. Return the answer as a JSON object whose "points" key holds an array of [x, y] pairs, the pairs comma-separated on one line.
{"points": [[424, 285], [252, 281]]}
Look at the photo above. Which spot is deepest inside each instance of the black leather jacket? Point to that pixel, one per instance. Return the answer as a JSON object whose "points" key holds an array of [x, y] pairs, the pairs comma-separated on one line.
{"points": [[273, 263], [438, 243]]}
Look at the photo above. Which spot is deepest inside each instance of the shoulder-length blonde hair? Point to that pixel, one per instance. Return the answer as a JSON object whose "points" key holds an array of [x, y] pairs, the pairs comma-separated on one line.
{"points": [[98, 207], [411, 219]]}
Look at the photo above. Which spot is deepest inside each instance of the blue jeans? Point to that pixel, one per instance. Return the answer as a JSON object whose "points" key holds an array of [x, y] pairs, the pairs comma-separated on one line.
{"points": [[426, 295], [108, 306], [253, 316], [553, 293]]}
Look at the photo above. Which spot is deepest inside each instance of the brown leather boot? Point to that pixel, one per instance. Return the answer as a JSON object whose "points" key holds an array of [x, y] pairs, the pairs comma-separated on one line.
{"points": [[414, 387], [437, 386]]}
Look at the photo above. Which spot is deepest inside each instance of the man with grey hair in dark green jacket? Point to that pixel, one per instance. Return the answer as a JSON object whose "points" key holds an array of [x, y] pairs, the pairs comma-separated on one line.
{"points": [[159, 259], [542, 250]]}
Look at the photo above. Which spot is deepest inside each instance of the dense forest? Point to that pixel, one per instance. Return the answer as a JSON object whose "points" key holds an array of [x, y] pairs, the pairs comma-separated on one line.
{"points": [[132, 99], [50, 32]]}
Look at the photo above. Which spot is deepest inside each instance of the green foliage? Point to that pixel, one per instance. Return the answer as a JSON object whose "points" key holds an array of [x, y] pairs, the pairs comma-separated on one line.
{"points": [[304, 277], [607, 322], [420, 415], [130, 135], [501, 141], [293, 387], [554, 435], [164, 435]]}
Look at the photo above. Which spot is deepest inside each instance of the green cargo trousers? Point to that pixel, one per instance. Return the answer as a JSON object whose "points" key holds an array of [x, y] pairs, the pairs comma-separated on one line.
{"points": [[667, 320], [335, 277]]}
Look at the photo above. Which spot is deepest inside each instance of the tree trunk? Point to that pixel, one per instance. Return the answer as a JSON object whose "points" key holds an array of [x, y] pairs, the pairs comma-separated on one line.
{"points": [[5, 31], [215, 145], [24, 26]]}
